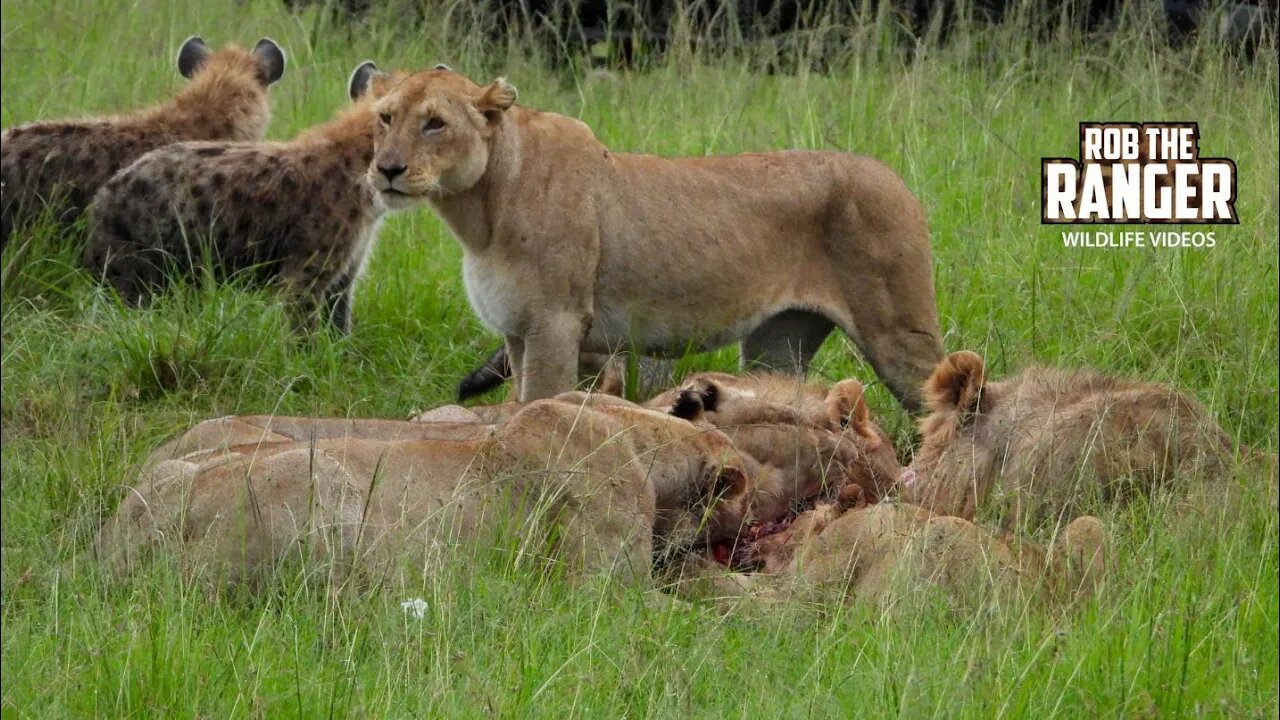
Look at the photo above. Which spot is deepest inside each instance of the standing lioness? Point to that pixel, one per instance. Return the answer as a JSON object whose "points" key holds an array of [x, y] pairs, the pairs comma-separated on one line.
{"points": [[568, 246]]}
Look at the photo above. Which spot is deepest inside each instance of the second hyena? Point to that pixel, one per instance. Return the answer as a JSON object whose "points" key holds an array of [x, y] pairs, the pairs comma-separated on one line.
{"points": [[61, 163], [299, 214]]}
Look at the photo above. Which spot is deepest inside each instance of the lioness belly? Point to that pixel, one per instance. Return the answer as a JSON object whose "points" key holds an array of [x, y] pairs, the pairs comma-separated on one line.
{"points": [[707, 298], [615, 327], [699, 252], [694, 254], [650, 321]]}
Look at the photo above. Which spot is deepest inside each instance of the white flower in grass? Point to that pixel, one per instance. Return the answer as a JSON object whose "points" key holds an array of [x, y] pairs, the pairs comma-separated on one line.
{"points": [[417, 607]]}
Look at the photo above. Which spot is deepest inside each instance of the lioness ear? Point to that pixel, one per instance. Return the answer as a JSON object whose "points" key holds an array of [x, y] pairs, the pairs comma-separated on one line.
{"points": [[956, 383], [730, 482], [700, 397], [495, 99], [710, 394], [192, 55], [270, 60], [361, 78], [847, 407], [687, 405]]}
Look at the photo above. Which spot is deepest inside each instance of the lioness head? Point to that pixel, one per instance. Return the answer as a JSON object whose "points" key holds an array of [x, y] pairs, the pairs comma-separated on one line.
{"points": [[433, 137], [719, 505], [702, 481], [773, 409]]}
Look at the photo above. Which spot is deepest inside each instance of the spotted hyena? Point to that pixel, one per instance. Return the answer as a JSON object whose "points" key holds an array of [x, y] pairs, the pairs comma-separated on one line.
{"points": [[299, 214], [64, 162]]}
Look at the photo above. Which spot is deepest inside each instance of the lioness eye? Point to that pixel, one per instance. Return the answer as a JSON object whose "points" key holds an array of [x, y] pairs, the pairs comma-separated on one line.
{"points": [[385, 119], [432, 125]]}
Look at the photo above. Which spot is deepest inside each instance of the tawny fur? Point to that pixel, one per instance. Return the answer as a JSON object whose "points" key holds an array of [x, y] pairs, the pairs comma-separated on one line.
{"points": [[789, 464], [820, 438], [786, 397], [570, 247], [887, 551], [299, 214], [64, 162], [612, 488], [255, 434], [1049, 443], [811, 441], [890, 554], [602, 373]]}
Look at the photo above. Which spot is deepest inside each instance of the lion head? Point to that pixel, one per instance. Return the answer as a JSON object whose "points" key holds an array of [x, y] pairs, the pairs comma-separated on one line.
{"points": [[772, 417], [434, 131]]}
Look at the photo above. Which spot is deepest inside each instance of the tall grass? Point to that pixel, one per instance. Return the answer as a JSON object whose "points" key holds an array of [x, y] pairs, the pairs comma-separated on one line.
{"points": [[1186, 623]]}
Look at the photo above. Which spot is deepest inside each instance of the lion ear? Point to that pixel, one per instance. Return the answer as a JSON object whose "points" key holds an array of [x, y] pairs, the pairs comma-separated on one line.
{"points": [[695, 400], [956, 383], [687, 405], [495, 99], [847, 407], [730, 482], [709, 392]]}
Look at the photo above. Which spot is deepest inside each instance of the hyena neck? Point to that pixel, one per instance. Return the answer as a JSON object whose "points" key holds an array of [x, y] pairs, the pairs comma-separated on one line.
{"points": [[219, 106], [347, 139]]}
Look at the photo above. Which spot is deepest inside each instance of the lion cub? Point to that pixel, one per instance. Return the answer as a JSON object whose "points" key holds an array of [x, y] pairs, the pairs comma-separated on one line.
{"points": [[299, 213], [68, 160], [1046, 441]]}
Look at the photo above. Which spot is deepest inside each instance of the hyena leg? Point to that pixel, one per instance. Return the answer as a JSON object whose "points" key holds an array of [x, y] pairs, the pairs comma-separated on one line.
{"points": [[338, 303], [305, 297]]}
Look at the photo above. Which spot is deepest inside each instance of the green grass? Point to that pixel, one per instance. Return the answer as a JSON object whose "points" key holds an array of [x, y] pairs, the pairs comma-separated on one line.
{"points": [[1186, 623]]}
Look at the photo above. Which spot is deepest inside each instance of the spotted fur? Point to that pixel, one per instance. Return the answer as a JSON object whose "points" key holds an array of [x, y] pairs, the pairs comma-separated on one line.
{"points": [[60, 164], [299, 214]]}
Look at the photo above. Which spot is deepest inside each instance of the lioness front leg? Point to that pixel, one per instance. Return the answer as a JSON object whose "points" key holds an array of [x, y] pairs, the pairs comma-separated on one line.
{"points": [[550, 363]]}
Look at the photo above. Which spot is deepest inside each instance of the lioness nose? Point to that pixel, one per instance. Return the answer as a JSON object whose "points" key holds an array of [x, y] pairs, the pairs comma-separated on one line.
{"points": [[391, 171]]}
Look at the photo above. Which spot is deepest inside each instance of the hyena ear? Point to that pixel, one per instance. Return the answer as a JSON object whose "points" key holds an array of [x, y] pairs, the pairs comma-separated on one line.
{"points": [[442, 66], [495, 98], [847, 407], [956, 384], [361, 78], [270, 60], [192, 55]]}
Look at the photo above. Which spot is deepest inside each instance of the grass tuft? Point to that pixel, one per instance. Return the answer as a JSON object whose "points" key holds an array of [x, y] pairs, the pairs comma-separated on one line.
{"points": [[1185, 625]]}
